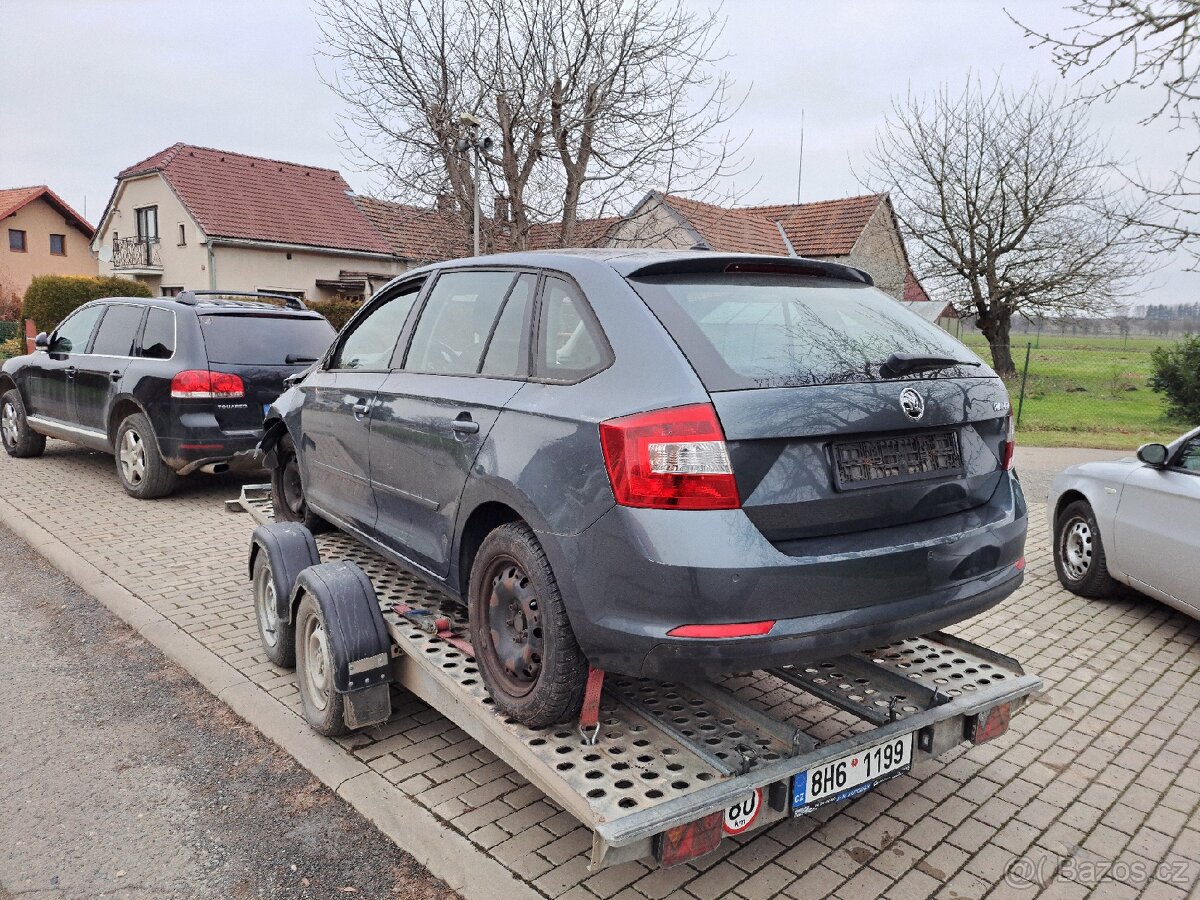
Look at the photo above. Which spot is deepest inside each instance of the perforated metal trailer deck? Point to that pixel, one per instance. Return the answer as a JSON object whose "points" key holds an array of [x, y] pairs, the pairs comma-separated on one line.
{"points": [[676, 766]]}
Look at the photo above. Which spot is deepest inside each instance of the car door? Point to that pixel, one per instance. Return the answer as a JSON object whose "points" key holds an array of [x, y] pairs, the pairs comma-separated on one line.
{"points": [[1158, 525], [467, 357], [100, 370], [335, 418], [52, 373]]}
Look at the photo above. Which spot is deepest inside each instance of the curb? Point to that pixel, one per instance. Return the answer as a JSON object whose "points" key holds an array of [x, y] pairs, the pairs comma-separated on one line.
{"points": [[447, 854]]}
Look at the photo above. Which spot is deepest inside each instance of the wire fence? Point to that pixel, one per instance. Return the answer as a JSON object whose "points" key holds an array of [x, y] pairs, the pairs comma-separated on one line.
{"points": [[1093, 392]]}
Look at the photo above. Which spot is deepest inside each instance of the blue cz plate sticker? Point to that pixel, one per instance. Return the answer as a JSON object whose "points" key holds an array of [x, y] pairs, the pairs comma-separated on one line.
{"points": [[266, 408], [851, 775]]}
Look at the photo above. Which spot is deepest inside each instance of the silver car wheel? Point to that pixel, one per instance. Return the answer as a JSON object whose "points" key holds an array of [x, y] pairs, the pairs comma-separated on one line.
{"points": [[1075, 549], [268, 610], [318, 667], [133, 457], [9, 425]]}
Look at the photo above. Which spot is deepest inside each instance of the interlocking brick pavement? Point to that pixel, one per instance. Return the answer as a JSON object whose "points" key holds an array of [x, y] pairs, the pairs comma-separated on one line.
{"points": [[1098, 779]]}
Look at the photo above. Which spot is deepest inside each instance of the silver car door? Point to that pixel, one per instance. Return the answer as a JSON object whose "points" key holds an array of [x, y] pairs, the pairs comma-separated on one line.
{"points": [[1158, 525]]}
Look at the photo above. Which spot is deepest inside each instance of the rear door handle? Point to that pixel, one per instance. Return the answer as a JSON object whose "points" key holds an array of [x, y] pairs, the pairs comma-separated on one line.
{"points": [[71, 370], [361, 408], [465, 426]]}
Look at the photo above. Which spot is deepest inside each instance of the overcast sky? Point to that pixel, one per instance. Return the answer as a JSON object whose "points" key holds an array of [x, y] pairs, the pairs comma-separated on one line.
{"points": [[91, 86]]}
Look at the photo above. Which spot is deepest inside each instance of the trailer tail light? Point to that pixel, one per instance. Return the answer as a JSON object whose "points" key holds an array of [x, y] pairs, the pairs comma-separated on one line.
{"points": [[202, 383], [691, 841], [730, 630], [1010, 444], [988, 724], [669, 459]]}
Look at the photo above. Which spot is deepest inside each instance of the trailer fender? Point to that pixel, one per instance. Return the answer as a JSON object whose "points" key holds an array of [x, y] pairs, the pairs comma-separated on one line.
{"points": [[290, 549], [359, 643]]}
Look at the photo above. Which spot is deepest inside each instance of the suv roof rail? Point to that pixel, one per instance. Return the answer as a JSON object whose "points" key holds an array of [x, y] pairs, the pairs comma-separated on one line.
{"points": [[191, 298]]}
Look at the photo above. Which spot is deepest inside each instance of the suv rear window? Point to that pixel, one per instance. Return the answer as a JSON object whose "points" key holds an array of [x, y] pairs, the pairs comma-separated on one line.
{"points": [[270, 340], [756, 331]]}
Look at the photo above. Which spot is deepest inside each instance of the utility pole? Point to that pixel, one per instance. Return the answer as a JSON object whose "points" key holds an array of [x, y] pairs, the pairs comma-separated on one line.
{"points": [[480, 145]]}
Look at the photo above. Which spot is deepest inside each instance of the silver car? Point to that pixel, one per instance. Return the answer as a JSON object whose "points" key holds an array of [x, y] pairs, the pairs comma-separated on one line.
{"points": [[1133, 521]]}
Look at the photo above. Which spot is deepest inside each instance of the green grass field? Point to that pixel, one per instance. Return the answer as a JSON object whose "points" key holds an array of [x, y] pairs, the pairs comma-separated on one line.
{"points": [[1087, 391]]}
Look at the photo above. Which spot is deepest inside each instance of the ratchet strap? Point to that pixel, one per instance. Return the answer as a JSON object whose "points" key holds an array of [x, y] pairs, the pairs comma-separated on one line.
{"points": [[432, 623], [589, 715]]}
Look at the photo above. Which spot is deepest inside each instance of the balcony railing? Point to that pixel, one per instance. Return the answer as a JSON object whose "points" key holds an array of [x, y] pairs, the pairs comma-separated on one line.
{"points": [[136, 253]]}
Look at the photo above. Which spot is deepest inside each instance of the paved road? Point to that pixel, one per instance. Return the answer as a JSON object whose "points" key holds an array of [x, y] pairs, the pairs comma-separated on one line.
{"points": [[122, 777]]}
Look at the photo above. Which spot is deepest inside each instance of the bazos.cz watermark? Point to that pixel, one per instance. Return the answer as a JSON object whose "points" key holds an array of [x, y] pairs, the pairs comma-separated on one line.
{"points": [[1041, 870]]}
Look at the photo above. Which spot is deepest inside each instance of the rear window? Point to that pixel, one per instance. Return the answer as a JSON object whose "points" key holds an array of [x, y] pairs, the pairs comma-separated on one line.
{"points": [[271, 340], [757, 331]]}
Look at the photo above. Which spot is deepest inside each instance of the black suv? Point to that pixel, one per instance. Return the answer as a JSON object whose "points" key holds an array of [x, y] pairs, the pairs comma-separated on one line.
{"points": [[169, 385]]}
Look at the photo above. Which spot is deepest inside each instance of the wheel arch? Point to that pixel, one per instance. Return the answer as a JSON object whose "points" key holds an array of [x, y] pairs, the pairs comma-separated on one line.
{"points": [[8, 383], [121, 410], [482, 521], [1067, 498]]}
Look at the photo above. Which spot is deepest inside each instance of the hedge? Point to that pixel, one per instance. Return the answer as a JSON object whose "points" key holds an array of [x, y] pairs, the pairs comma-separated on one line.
{"points": [[338, 312], [1177, 377], [51, 298]]}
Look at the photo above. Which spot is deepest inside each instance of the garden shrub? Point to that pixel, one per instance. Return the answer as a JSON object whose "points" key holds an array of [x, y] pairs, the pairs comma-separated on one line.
{"points": [[51, 298], [338, 312], [1177, 377]]}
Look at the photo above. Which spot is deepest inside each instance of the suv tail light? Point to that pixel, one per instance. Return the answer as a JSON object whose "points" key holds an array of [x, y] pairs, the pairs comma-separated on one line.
{"points": [[1010, 444], [203, 383], [669, 459]]}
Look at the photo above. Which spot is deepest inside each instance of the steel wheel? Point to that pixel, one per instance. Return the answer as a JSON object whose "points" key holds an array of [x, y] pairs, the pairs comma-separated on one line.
{"points": [[266, 607], [8, 423], [514, 624], [293, 490], [1075, 548], [318, 667], [132, 455]]}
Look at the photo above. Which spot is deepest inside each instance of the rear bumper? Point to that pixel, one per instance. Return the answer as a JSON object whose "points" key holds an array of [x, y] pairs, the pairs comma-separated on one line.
{"points": [[197, 441], [636, 574]]}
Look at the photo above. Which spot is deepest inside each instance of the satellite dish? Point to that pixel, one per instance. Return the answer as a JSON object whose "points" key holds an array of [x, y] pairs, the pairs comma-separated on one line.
{"points": [[105, 253]]}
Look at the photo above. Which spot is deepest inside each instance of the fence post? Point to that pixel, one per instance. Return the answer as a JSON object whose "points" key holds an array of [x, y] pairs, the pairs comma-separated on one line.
{"points": [[1024, 376]]}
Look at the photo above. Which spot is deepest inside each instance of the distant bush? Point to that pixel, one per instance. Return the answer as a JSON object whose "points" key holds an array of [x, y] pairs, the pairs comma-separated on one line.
{"points": [[1177, 377], [12, 347], [51, 298], [338, 312]]}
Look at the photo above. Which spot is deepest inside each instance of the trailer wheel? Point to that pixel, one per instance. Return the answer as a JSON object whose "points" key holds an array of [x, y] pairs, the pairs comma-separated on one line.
{"points": [[275, 633], [279, 552], [323, 705], [527, 653]]}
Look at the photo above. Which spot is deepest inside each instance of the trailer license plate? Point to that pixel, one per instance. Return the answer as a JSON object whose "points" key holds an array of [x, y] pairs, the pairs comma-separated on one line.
{"points": [[851, 775]]}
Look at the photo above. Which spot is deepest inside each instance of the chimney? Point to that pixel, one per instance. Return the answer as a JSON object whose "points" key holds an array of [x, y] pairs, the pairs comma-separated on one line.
{"points": [[501, 210], [445, 202]]}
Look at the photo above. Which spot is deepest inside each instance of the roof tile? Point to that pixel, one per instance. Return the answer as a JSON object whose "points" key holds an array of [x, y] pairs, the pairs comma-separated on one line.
{"points": [[13, 199]]}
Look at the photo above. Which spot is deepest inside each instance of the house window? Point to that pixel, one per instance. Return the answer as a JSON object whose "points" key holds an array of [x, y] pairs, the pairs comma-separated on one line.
{"points": [[16, 240], [172, 291], [58, 244], [182, 236], [147, 223]]}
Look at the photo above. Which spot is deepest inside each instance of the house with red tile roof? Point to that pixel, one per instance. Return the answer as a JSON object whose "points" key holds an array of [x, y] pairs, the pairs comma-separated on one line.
{"points": [[193, 217], [858, 231], [40, 235]]}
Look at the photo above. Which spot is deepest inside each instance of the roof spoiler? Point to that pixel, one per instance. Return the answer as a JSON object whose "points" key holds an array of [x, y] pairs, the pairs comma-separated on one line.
{"points": [[189, 298], [757, 265]]}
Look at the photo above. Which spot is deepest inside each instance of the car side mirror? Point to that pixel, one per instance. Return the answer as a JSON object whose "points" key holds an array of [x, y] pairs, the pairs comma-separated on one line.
{"points": [[1153, 454], [42, 341]]}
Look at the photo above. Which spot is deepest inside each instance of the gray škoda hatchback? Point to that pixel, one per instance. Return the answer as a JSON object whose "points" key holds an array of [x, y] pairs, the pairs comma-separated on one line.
{"points": [[664, 464]]}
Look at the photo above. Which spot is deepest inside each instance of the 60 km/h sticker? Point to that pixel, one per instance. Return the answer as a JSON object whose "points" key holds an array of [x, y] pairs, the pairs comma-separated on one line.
{"points": [[741, 815]]}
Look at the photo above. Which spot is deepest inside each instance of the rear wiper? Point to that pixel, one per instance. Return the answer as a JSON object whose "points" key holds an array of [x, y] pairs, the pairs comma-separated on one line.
{"points": [[292, 360], [903, 363]]}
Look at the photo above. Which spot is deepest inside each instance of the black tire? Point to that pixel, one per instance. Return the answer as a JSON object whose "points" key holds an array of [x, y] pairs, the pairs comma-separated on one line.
{"points": [[140, 467], [277, 635], [324, 707], [287, 491], [20, 440], [1079, 552], [527, 653]]}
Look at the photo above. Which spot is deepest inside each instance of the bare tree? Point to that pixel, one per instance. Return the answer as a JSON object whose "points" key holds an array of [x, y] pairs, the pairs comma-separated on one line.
{"points": [[590, 102], [1007, 196], [1117, 45]]}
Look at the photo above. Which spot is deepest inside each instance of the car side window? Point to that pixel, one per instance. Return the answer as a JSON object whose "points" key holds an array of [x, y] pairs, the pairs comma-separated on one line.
{"points": [[117, 330], [1188, 456], [372, 340], [569, 343], [507, 353], [457, 320], [72, 335], [158, 337]]}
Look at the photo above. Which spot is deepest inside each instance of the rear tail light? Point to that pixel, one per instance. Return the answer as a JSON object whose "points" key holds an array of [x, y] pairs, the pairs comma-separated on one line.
{"points": [[685, 842], [669, 459], [1010, 444], [727, 630], [985, 726], [203, 383]]}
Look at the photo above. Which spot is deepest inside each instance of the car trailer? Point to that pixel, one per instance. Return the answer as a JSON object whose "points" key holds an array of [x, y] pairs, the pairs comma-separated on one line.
{"points": [[663, 770]]}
